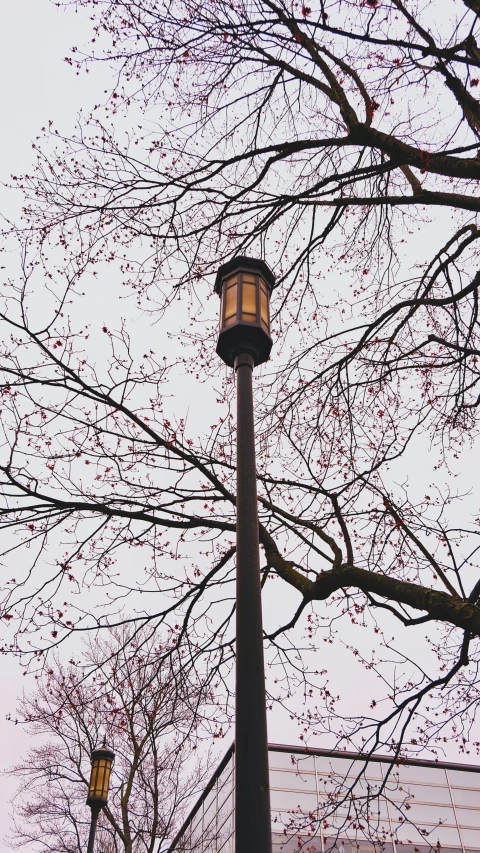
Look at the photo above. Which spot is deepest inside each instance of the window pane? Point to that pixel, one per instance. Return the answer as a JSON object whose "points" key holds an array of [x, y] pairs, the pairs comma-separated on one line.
{"points": [[225, 846], [465, 798], [290, 761], [197, 829], [248, 276], [410, 773], [106, 778], [304, 762], [470, 838], [293, 781], [378, 809], [374, 809], [464, 779], [421, 814], [286, 760], [210, 813], [346, 767], [249, 299], [230, 302], [469, 817], [264, 307], [230, 281], [226, 795], [225, 782], [93, 781], [293, 800], [446, 835], [352, 829], [278, 819], [408, 832], [225, 813], [418, 793]]}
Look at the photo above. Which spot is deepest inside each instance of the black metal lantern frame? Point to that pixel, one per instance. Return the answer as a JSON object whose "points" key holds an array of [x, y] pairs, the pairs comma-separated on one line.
{"points": [[244, 286]]}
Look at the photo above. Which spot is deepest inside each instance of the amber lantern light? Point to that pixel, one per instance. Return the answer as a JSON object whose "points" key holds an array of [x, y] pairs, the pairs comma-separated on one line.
{"points": [[244, 286]]}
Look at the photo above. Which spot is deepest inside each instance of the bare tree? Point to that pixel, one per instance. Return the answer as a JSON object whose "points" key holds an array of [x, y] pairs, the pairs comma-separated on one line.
{"points": [[326, 138], [149, 716]]}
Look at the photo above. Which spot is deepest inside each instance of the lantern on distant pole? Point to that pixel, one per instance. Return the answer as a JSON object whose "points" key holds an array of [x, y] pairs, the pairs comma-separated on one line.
{"points": [[102, 760], [244, 286]]}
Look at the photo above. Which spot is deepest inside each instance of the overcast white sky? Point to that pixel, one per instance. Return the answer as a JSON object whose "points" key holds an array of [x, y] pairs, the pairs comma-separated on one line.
{"points": [[37, 86]]}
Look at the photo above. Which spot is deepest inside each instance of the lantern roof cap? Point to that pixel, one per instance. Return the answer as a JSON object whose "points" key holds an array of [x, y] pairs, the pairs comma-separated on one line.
{"points": [[103, 751], [244, 262]]}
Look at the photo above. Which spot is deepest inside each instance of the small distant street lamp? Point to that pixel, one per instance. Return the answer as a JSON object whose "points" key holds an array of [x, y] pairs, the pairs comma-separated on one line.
{"points": [[102, 760], [244, 286]]}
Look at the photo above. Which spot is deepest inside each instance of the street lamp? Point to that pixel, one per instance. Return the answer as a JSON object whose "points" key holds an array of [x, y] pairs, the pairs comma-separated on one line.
{"points": [[102, 760], [244, 286]]}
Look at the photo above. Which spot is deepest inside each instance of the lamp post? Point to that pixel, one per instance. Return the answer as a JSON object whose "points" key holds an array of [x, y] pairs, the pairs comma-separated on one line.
{"points": [[102, 760], [244, 286]]}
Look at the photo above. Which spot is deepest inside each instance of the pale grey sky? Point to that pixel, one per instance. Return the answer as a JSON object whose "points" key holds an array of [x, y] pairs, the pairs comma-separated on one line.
{"points": [[37, 86]]}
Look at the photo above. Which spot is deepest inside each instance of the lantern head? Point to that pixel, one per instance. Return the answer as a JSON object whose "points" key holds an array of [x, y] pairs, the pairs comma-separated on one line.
{"points": [[244, 286], [102, 759]]}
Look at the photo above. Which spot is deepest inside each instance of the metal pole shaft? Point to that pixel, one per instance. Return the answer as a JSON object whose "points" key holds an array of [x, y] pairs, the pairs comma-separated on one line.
{"points": [[252, 793], [93, 828]]}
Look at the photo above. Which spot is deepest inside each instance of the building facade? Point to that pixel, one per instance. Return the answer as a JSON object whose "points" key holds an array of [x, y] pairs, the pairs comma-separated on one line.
{"points": [[336, 801]]}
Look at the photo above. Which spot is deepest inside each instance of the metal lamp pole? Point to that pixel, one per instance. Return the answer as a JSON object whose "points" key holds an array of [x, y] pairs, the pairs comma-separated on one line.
{"points": [[252, 794], [93, 827], [102, 760], [244, 285]]}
